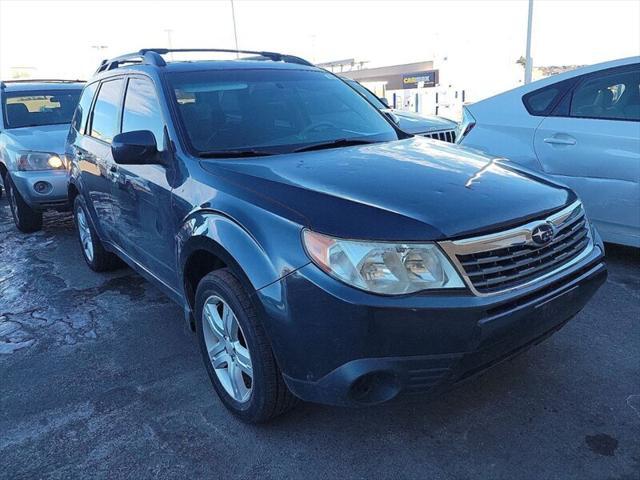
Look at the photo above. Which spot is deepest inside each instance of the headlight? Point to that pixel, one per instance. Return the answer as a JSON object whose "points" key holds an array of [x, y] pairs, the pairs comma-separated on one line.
{"points": [[382, 267], [466, 125], [39, 161]]}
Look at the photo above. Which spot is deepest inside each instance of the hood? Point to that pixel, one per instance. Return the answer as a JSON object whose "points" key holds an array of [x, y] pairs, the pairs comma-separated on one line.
{"points": [[415, 123], [413, 189], [45, 138]]}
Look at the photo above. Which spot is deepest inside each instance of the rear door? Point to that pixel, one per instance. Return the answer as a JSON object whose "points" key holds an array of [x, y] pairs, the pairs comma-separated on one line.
{"points": [[592, 143], [93, 152], [142, 193]]}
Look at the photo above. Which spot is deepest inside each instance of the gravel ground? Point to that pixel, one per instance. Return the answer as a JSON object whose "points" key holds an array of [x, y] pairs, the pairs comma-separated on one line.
{"points": [[100, 378]]}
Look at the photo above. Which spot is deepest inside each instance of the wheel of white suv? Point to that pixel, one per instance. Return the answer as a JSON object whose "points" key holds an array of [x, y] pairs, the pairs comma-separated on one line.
{"points": [[236, 351], [26, 218], [94, 253]]}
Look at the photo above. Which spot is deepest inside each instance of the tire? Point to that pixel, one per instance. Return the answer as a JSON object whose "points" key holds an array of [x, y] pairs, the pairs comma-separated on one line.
{"points": [[268, 395], [27, 219], [93, 252]]}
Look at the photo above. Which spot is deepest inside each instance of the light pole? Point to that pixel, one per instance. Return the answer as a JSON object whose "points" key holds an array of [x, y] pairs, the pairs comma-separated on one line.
{"points": [[235, 32], [528, 64], [169, 45]]}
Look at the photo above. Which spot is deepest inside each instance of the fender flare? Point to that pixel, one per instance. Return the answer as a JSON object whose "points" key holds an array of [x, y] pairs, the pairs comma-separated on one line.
{"points": [[222, 236]]}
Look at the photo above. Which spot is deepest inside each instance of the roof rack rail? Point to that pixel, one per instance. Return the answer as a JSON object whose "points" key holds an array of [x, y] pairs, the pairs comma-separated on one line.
{"points": [[36, 80], [145, 56], [152, 56]]}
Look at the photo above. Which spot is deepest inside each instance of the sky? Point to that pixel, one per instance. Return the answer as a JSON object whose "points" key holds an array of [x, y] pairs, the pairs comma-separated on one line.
{"points": [[482, 39]]}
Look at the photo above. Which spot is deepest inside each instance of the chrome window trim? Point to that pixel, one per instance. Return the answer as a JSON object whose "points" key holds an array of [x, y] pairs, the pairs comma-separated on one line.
{"points": [[513, 237]]}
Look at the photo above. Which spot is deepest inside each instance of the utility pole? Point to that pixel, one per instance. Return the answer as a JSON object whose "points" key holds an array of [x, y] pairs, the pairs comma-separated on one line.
{"points": [[169, 44], [528, 65], [235, 32]]}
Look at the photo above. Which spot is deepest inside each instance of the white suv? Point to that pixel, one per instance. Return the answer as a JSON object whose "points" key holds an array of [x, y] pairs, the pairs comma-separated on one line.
{"points": [[34, 123]]}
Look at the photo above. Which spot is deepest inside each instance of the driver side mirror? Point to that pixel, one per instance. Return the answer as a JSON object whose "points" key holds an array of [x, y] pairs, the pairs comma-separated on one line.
{"points": [[385, 101], [135, 148]]}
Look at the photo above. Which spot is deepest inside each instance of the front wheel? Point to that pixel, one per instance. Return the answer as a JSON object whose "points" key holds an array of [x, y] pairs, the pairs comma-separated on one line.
{"points": [[94, 253], [26, 218], [236, 351]]}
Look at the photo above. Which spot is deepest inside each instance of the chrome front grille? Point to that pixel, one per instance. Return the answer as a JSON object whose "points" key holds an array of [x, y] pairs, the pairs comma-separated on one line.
{"points": [[445, 135], [510, 259]]}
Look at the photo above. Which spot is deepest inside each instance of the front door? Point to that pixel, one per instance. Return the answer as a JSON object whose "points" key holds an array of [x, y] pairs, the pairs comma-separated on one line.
{"points": [[93, 152], [595, 149], [142, 193]]}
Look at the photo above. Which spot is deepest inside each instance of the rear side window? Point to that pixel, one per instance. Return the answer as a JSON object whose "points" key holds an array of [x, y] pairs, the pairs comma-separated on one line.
{"points": [[105, 117], [142, 109], [608, 96], [541, 102], [82, 110]]}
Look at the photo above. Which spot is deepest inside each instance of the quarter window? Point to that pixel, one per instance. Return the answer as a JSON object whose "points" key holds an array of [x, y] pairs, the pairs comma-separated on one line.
{"points": [[613, 96], [541, 102], [142, 109], [104, 123]]}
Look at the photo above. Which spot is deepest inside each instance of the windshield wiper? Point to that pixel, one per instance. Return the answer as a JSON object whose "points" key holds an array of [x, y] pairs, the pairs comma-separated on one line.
{"points": [[235, 154], [341, 142]]}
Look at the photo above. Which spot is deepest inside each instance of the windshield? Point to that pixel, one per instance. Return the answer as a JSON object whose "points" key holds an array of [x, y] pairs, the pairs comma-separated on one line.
{"points": [[41, 107], [368, 94], [272, 111]]}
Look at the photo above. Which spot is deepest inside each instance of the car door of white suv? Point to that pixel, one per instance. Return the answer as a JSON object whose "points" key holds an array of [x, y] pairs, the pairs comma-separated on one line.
{"points": [[591, 142]]}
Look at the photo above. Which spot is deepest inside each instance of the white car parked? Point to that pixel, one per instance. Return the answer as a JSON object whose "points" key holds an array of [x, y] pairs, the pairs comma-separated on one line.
{"points": [[581, 128]]}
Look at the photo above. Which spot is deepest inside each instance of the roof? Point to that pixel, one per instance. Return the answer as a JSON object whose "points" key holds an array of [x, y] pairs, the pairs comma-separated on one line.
{"points": [[30, 85], [543, 82], [233, 64], [152, 59]]}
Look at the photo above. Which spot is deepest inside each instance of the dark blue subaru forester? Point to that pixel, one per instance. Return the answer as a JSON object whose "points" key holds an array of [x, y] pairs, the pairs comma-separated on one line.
{"points": [[318, 251]]}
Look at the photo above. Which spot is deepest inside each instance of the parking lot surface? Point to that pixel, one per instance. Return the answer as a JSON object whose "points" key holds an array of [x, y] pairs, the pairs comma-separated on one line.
{"points": [[100, 378]]}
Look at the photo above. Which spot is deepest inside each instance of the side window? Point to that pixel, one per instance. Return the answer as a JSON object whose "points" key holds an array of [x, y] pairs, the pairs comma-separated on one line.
{"points": [[142, 109], [82, 110], [105, 117], [610, 96]]}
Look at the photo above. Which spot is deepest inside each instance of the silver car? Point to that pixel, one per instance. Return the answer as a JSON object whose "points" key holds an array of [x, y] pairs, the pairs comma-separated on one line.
{"points": [[581, 128], [34, 124]]}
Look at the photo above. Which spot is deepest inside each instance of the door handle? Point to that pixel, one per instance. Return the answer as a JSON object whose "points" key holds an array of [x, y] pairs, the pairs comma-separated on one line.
{"points": [[560, 141]]}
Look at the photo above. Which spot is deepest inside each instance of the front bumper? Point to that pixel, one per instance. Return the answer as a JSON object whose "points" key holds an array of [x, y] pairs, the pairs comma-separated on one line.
{"points": [[340, 346], [55, 195]]}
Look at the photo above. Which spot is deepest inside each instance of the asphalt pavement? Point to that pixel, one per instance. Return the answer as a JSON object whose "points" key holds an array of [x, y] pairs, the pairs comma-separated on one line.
{"points": [[100, 378]]}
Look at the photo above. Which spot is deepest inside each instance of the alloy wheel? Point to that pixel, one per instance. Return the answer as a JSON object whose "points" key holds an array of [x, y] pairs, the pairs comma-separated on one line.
{"points": [[227, 348], [85, 234]]}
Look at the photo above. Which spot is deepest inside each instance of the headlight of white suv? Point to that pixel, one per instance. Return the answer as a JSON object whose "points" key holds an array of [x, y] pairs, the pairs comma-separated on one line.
{"points": [[39, 161], [382, 267]]}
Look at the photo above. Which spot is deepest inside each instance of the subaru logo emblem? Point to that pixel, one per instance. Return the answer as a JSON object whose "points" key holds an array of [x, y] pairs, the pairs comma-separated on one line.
{"points": [[542, 234]]}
